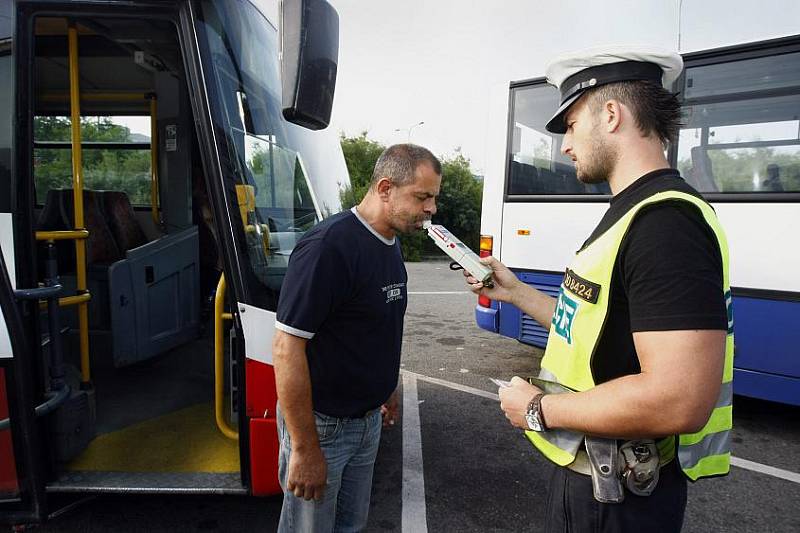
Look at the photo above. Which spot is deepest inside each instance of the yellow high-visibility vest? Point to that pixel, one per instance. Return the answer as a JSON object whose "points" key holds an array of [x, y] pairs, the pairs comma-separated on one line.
{"points": [[577, 324]]}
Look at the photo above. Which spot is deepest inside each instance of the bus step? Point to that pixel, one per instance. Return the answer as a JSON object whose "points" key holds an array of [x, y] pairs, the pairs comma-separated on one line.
{"points": [[149, 483]]}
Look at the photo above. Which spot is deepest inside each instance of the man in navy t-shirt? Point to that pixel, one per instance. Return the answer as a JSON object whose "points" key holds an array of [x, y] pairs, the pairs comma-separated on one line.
{"points": [[337, 345]]}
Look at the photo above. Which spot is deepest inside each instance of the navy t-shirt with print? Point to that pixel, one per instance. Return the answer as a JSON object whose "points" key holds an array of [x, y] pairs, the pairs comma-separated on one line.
{"points": [[345, 291]]}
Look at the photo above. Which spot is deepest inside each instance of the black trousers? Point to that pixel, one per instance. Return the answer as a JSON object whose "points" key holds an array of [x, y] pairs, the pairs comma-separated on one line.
{"points": [[571, 506]]}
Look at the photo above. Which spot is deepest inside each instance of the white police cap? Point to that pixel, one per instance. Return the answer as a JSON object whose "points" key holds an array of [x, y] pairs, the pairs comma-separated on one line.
{"points": [[576, 72]]}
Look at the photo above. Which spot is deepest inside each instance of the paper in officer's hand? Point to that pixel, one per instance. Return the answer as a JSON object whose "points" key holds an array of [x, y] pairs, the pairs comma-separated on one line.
{"points": [[500, 383]]}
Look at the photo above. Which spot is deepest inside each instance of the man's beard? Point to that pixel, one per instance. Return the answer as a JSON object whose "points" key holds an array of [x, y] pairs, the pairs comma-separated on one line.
{"points": [[403, 223], [599, 164]]}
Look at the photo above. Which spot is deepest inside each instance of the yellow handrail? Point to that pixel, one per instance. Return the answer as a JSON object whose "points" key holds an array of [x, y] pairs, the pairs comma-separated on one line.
{"points": [[62, 235], [66, 301], [51, 236], [77, 192], [219, 360], [154, 160], [56, 96]]}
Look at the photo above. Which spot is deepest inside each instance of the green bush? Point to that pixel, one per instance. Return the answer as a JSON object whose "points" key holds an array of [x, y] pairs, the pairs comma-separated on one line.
{"points": [[115, 170], [458, 205]]}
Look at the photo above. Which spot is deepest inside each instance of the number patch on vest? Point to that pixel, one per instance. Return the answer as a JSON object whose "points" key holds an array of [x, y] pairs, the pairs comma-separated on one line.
{"points": [[563, 318], [729, 306], [580, 287]]}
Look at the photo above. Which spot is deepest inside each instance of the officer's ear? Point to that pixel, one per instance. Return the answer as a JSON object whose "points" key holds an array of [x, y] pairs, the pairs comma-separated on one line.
{"points": [[384, 187], [612, 115]]}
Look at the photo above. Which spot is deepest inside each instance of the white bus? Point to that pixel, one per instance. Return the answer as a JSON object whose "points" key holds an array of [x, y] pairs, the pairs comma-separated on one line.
{"points": [[113, 239], [739, 146]]}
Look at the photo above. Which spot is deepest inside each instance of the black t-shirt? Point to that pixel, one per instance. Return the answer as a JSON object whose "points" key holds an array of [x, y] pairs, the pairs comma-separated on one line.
{"points": [[667, 276], [345, 291]]}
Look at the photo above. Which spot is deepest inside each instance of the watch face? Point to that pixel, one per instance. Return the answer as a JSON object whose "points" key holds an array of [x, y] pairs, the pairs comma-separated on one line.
{"points": [[533, 422]]}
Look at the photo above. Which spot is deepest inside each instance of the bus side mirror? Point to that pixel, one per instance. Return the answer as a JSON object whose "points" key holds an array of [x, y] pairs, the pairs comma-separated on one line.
{"points": [[309, 57]]}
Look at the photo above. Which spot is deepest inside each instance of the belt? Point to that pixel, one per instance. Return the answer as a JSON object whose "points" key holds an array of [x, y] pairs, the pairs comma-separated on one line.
{"points": [[365, 414], [666, 448]]}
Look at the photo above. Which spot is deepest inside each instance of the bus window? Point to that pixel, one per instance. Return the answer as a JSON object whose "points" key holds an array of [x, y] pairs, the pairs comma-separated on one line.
{"points": [[284, 207], [536, 165], [114, 158], [758, 74], [738, 138]]}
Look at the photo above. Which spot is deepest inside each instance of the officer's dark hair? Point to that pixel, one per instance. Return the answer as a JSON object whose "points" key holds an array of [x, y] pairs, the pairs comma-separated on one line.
{"points": [[399, 161], [655, 109]]}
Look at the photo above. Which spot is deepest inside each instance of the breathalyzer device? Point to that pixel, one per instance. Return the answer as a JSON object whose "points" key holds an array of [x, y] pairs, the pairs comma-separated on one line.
{"points": [[460, 253]]}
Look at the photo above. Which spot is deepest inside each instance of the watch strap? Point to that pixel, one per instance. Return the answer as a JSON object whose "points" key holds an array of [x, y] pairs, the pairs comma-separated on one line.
{"points": [[535, 408]]}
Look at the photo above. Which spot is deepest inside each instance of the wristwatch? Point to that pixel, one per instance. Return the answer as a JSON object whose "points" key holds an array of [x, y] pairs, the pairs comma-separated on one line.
{"points": [[534, 415]]}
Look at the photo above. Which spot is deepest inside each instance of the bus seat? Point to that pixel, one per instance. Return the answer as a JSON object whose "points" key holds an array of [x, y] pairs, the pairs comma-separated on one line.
{"points": [[701, 175], [122, 220], [552, 182], [524, 179], [773, 182], [58, 215]]}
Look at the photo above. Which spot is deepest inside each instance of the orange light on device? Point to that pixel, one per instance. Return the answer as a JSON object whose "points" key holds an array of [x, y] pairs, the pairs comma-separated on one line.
{"points": [[486, 246], [523, 232]]}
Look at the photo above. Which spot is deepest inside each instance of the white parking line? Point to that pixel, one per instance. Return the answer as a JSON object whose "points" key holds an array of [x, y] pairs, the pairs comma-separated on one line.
{"points": [[766, 469], [451, 385], [439, 292], [735, 461], [414, 517]]}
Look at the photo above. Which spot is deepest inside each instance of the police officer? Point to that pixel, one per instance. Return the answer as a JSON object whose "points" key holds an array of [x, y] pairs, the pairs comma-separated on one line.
{"points": [[638, 366]]}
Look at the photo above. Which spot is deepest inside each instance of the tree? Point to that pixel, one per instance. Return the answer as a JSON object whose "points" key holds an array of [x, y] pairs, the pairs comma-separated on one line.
{"points": [[360, 155], [459, 202], [118, 170]]}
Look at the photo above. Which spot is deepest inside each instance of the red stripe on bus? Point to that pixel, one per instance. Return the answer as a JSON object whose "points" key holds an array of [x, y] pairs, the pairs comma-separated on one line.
{"points": [[260, 403], [9, 486]]}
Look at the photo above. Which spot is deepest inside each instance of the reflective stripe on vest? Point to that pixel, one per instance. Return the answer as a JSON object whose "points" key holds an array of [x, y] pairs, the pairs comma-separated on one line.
{"points": [[577, 324]]}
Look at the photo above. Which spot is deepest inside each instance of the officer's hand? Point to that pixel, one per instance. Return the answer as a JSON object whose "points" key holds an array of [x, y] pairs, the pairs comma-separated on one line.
{"points": [[390, 411], [514, 400], [505, 282], [307, 473]]}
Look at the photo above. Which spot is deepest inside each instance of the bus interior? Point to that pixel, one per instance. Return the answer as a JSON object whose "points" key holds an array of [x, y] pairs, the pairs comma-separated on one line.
{"points": [[141, 412]]}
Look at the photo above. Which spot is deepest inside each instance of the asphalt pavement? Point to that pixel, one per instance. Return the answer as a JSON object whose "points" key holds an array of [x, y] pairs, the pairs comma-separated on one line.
{"points": [[464, 468]]}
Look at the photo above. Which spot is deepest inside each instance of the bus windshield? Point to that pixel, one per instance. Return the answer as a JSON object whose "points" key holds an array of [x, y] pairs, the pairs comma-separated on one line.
{"points": [[266, 151]]}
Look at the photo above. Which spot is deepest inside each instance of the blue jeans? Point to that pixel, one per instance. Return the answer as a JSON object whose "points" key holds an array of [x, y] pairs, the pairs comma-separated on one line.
{"points": [[350, 446]]}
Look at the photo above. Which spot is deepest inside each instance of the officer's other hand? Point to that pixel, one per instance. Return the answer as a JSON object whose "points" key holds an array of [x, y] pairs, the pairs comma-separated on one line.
{"points": [[307, 473], [514, 400], [505, 282], [390, 411]]}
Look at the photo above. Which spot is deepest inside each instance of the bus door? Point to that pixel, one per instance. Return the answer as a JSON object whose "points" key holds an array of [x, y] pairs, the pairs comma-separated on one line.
{"points": [[259, 168], [21, 472], [106, 156]]}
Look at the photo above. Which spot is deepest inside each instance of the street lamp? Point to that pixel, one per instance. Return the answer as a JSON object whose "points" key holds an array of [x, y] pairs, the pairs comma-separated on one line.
{"points": [[420, 123]]}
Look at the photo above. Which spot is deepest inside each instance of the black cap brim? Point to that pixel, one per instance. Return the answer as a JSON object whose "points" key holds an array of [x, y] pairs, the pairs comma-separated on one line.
{"points": [[592, 77], [556, 123]]}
